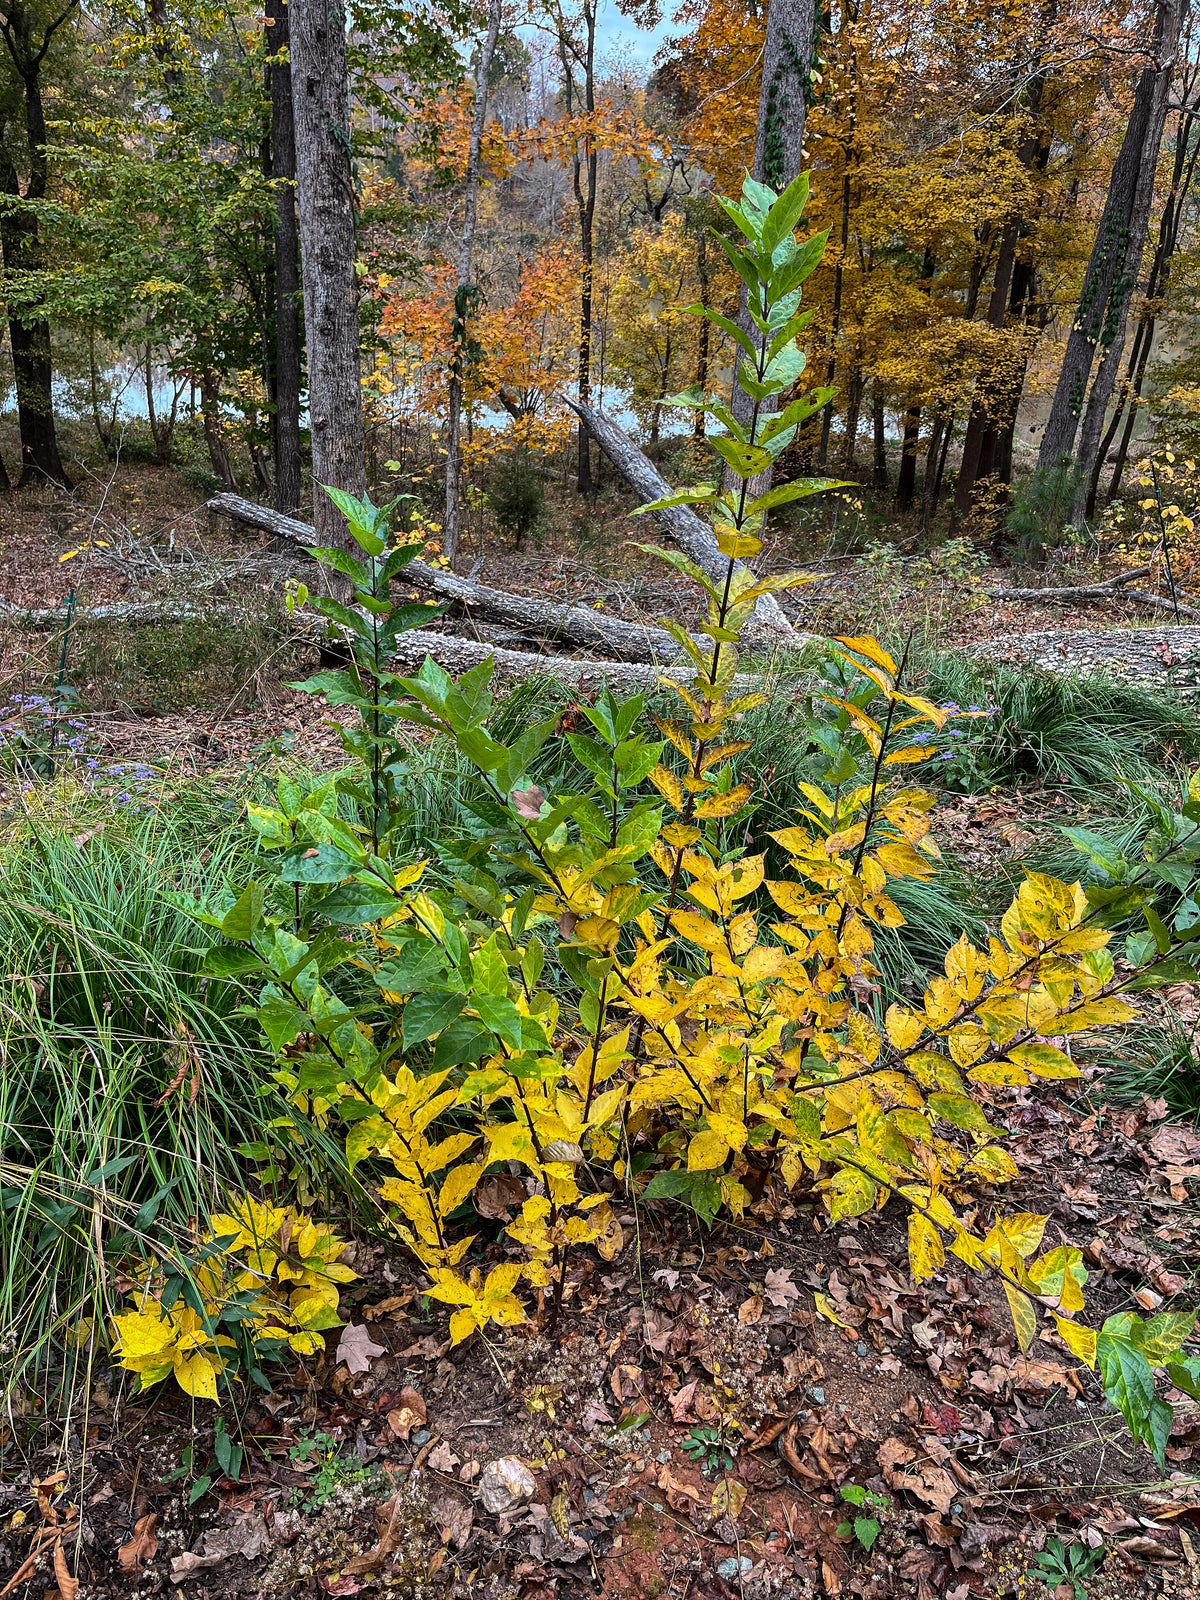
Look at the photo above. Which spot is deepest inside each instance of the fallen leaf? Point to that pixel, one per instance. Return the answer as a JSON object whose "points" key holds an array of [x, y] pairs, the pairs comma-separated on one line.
{"points": [[441, 1458], [625, 1381], [1151, 1549], [497, 1196], [779, 1288], [528, 802], [1038, 1377], [750, 1311], [678, 1494], [455, 1520], [409, 1414], [893, 1452], [828, 1310], [67, 1585], [681, 1401], [728, 1498], [594, 1413], [356, 1347], [142, 1547], [389, 1539], [247, 1537]]}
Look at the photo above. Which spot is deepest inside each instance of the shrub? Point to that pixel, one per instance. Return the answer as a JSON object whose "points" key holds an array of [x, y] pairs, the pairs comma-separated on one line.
{"points": [[517, 496], [604, 988]]}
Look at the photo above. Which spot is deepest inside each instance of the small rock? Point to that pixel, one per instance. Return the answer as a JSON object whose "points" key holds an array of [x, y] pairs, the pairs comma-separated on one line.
{"points": [[663, 1455], [505, 1483], [734, 1567], [818, 1396], [422, 1437], [861, 1349]]}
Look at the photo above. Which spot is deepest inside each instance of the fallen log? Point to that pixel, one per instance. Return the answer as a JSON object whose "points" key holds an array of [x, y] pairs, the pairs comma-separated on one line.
{"points": [[693, 536], [1107, 589], [544, 622]]}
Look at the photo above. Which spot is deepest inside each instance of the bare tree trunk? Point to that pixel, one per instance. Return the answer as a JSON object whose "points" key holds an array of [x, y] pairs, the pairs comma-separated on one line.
{"points": [[906, 478], [1168, 24], [325, 201], [1116, 255], [462, 294], [21, 243], [783, 103], [879, 471], [584, 174], [285, 436], [218, 455]]}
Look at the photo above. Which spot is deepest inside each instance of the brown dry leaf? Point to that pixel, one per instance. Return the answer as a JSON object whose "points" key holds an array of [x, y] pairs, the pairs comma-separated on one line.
{"points": [[678, 1494], [1038, 1377], [681, 1401], [779, 1288], [356, 1348], [625, 1381], [750, 1311], [893, 1452], [495, 1197], [441, 1458], [68, 1586], [409, 1414], [830, 1579], [1176, 1144], [455, 1520], [1150, 1549], [142, 1547], [928, 1482], [389, 1540]]}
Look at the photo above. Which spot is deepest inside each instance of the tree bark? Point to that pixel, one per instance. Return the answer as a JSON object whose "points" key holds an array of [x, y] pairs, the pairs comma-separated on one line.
{"points": [[906, 478], [210, 410], [326, 206], [783, 102], [584, 174], [285, 436], [1116, 255], [463, 289], [1169, 19], [23, 254], [879, 469], [689, 532]]}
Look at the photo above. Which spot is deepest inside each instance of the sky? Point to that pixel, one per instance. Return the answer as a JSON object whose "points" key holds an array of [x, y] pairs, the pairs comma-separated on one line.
{"points": [[619, 35]]}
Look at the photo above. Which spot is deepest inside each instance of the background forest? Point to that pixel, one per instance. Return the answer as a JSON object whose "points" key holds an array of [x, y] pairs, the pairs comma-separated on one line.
{"points": [[599, 824]]}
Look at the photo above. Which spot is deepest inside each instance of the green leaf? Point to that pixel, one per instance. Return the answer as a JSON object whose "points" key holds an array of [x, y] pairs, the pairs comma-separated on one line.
{"points": [[866, 1531], [363, 519], [501, 1016], [798, 489], [342, 561], [785, 214], [743, 459], [699, 495], [241, 921], [427, 1014], [1161, 1339], [354, 904], [1125, 1373]]}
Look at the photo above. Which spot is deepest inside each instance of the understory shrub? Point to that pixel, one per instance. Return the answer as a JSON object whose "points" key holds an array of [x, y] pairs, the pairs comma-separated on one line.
{"points": [[604, 988]]}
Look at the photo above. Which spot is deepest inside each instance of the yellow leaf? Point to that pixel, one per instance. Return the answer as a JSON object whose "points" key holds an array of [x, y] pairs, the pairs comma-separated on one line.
{"points": [[699, 930], [462, 1325], [866, 645], [707, 1150], [904, 1028], [926, 1252], [909, 755], [1079, 1341], [1023, 1315], [1044, 1060], [457, 1187], [725, 805], [668, 785], [196, 1375], [827, 1309], [851, 1194]]}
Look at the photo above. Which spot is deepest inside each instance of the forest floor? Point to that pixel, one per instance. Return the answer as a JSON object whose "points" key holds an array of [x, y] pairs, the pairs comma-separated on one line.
{"points": [[700, 1425]]}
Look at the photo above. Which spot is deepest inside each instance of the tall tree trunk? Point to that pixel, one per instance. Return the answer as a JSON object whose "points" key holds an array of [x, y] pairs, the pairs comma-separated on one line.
{"points": [[210, 409], [21, 244], [285, 435], [463, 288], [783, 103], [1169, 20], [584, 174], [848, 16], [1182, 174], [325, 201], [1115, 260], [879, 470], [906, 478]]}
